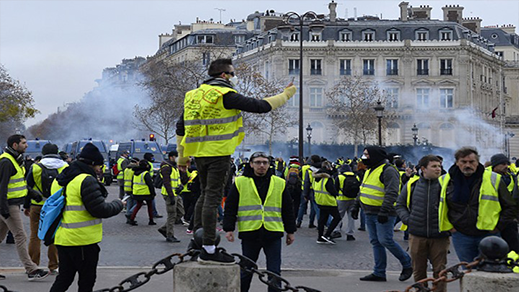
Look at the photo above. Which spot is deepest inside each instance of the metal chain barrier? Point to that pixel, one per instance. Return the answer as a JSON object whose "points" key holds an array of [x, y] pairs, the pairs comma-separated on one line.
{"points": [[448, 275], [4, 289]]}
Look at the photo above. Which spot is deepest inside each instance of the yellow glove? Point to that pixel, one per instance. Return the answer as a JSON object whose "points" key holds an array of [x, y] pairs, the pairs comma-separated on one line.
{"points": [[280, 99], [180, 148]]}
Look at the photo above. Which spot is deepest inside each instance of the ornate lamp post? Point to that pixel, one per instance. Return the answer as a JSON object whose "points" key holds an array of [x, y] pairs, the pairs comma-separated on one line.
{"points": [[414, 129], [309, 136], [379, 109]]}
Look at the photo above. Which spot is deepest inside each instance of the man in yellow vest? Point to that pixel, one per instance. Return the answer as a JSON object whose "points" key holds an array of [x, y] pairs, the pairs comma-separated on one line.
{"points": [[347, 184], [39, 181], [474, 203], [210, 129], [262, 206], [378, 193], [171, 181], [13, 190], [122, 163], [417, 206], [325, 195], [501, 165], [81, 228], [308, 192]]}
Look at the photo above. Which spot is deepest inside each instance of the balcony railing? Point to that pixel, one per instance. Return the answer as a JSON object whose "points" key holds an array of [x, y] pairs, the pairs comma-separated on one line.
{"points": [[445, 71], [422, 72]]}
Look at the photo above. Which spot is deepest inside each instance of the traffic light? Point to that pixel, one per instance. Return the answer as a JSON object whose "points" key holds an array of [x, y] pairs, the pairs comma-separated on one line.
{"points": [[152, 137]]}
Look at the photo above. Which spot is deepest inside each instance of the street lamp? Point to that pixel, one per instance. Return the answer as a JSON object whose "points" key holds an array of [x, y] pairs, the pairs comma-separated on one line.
{"points": [[379, 109], [414, 129], [285, 30], [309, 136]]}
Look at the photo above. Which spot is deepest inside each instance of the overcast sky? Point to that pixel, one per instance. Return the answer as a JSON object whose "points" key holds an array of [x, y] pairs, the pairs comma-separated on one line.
{"points": [[58, 48]]}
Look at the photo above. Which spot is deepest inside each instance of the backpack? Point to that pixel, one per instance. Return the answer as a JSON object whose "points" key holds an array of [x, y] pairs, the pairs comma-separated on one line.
{"points": [[293, 180], [158, 181], [351, 186], [47, 177], [50, 216]]}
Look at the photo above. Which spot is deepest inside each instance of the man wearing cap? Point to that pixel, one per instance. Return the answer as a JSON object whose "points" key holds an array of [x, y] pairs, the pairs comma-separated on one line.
{"points": [[122, 163], [262, 206], [501, 164], [81, 228], [210, 129], [39, 180]]}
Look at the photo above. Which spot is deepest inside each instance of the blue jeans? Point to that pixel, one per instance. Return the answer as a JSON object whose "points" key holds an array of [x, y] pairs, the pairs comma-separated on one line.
{"points": [[466, 246], [362, 219], [302, 209], [272, 251], [381, 237]]}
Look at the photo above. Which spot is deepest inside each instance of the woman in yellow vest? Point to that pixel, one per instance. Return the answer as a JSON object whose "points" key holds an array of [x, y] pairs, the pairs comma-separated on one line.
{"points": [[325, 197], [81, 228], [143, 190]]}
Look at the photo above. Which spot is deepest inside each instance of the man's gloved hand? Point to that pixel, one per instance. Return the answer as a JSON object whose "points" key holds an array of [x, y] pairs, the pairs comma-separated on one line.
{"points": [[382, 219], [354, 213], [178, 189], [6, 215], [280, 99]]}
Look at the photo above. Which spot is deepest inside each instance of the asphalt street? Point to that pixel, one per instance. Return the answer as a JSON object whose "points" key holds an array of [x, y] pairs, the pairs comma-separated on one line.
{"points": [[129, 249]]}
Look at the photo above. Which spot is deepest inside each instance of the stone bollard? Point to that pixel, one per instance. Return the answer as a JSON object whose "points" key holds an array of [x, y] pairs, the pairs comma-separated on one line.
{"points": [[485, 282], [194, 277]]}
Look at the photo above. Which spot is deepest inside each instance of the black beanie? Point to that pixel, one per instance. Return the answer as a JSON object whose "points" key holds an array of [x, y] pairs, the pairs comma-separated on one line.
{"points": [[49, 149], [91, 155], [499, 159]]}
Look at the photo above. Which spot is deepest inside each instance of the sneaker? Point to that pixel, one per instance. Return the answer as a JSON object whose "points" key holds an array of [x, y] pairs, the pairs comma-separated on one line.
{"points": [[133, 222], [172, 239], [184, 222], [374, 278], [37, 275], [54, 272], [321, 241], [328, 239], [350, 238], [189, 231], [311, 226], [298, 224], [406, 274], [336, 234], [151, 222], [217, 258], [218, 229], [361, 229], [163, 232], [158, 216]]}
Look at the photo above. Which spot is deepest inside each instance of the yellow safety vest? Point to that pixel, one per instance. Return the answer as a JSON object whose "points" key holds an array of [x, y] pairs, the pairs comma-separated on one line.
{"points": [[210, 128], [342, 178], [17, 187], [140, 188], [372, 190], [36, 174], [322, 196], [192, 176], [128, 179], [489, 207], [409, 185], [77, 227], [120, 175], [252, 214], [103, 169], [304, 173], [151, 169], [174, 179]]}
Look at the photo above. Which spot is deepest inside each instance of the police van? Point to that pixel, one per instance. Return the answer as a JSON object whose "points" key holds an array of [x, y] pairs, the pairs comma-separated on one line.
{"points": [[137, 149]]}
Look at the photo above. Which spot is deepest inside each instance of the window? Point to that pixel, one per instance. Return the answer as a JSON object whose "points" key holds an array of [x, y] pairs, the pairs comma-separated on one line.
{"points": [[206, 59], [316, 97], [393, 36], [345, 36], [293, 67], [204, 39], [368, 36], [315, 37], [315, 67], [446, 35], [422, 35], [345, 67], [392, 67], [445, 66], [369, 67], [294, 37], [446, 97], [239, 39], [294, 101], [500, 53], [422, 97], [392, 97], [422, 67]]}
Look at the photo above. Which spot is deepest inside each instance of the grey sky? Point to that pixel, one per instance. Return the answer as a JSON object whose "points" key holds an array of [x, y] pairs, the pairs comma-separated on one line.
{"points": [[58, 48]]}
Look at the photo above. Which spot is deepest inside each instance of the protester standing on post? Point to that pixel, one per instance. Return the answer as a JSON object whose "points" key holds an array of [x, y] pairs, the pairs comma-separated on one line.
{"points": [[210, 129], [417, 206], [81, 228], [262, 206], [13, 190]]}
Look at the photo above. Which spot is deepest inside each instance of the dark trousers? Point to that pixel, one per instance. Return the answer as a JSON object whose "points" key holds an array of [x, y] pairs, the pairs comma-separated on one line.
{"points": [[213, 173], [324, 213], [76, 259], [511, 236], [189, 199], [296, 198], [271, 249], [138, 206]]}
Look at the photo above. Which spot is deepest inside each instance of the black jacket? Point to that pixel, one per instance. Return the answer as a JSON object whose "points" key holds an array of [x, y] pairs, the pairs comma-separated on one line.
{"points": [[93, 194], [262, 184], [422, 215], [7, 170]]}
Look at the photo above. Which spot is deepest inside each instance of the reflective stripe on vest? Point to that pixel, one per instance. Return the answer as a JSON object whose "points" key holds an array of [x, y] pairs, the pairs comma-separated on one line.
{"points": [[120, 168], [128, 179], [17, 186], [140, 188], [489, 206], [409, 185], [78, 226], [342, 178], [372, 190], [322, 197], [252, 213], [36, 174], [174, 180], [210, 128]]}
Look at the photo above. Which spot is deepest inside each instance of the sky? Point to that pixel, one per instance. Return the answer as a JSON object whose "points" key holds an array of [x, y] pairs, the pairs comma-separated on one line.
{"points": [[57, 49]]}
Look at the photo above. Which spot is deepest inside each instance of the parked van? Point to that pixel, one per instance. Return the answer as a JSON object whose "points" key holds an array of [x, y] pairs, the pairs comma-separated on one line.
{"points": [[137, 149], [34, 147]]}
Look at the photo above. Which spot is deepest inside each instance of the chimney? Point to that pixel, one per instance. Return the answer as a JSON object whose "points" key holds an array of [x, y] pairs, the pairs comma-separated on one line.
{"points": [[510, 28], [453, 13], [403, 10], [423, 12], [472, 23], [333, 11]]}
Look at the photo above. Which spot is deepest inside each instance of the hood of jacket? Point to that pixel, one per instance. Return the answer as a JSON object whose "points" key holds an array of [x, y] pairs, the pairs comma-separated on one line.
{"points": [[52, 161], [320, 175], [76, 168], [377, 155]]}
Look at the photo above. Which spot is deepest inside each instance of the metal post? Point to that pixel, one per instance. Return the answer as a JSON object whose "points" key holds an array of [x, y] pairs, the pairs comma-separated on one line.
{"points": [[379, 131], [301, 138]]}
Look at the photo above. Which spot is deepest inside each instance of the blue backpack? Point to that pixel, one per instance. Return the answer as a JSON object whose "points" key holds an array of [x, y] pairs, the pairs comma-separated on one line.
{"points": [[50, 216]]}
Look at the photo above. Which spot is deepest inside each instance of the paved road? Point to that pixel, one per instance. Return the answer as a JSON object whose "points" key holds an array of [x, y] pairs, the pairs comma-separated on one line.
{"points": [[134, 247]]}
